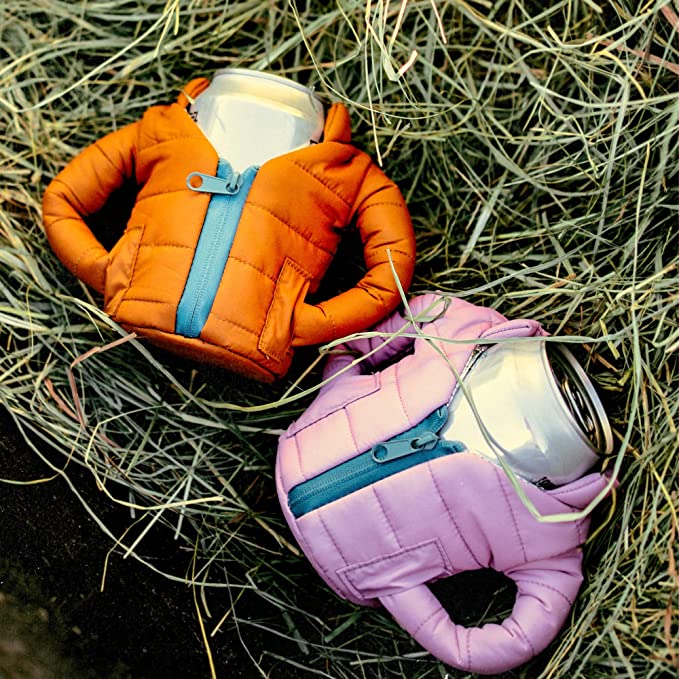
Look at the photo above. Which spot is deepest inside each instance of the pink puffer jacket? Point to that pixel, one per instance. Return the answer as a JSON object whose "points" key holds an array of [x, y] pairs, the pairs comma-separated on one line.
{"points": [[378, 530]]}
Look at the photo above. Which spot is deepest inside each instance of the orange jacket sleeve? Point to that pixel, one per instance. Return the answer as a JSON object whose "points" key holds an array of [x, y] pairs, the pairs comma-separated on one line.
{"points": [[386, 231], [81, 189]]}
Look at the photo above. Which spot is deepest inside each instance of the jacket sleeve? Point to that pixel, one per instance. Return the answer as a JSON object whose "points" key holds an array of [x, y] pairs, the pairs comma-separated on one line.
{"points": [[386, 231], [392, 336], [544, 598], [81, 189]]}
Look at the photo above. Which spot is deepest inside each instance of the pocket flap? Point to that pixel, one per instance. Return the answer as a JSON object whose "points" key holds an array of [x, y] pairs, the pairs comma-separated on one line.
{"points": [[398, 571], [121, 263], [291, 288]]}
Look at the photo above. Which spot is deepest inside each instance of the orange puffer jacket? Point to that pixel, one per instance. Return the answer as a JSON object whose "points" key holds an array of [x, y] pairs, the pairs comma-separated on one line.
{"points": [[216, 266]]}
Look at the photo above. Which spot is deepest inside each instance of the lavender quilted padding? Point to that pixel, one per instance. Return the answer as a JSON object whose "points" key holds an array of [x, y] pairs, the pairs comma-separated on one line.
{"points": [[381, 544]]}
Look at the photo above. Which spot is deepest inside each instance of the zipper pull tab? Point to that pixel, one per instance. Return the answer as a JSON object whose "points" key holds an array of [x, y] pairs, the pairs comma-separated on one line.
{"points": [[205, 183], [392, 450]]}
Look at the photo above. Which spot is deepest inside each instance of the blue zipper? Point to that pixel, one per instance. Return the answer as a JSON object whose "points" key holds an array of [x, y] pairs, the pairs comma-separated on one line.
{"points": [[230, 191], [415, 446]]}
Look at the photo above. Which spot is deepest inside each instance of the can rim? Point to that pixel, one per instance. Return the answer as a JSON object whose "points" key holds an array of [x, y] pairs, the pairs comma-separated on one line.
{"points": [[604, 434], [232, 70]]}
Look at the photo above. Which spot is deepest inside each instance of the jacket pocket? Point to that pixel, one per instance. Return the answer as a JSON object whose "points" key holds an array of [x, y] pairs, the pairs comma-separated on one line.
{"points": [[290, 291], [388, 574], [122, 260]]}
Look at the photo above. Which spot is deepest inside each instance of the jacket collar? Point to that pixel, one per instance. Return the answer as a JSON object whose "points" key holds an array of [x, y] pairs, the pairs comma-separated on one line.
{"points": [[192, 90]]}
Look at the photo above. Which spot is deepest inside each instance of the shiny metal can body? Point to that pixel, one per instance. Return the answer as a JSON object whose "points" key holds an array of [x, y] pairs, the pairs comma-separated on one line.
{"points": [[250, 117], [539, 411]]}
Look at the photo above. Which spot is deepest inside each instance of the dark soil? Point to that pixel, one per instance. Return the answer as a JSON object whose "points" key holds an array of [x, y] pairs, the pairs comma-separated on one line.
{"points": [[55, 623]]}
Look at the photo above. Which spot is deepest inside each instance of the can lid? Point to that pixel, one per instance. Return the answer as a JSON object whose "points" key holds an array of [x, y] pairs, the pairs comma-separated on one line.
{"points": [[580, 397], [250, 117]]}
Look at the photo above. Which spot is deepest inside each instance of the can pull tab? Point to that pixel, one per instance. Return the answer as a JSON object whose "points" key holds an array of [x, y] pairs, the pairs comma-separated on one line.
{"points": [[392, 450], [205, 183]]}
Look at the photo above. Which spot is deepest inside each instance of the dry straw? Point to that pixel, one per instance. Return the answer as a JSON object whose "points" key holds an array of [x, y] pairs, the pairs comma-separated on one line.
{"points": [[536, 146]]}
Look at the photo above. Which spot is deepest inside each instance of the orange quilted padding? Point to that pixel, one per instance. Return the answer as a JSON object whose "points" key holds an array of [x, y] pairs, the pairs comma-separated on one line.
{"points": [[288, 232]]}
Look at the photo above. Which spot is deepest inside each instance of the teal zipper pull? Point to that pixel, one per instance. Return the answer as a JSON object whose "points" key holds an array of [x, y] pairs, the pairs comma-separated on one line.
{"points": [[418, 445], [234, 183], [205, 183], [392, 450], [230, 192]]}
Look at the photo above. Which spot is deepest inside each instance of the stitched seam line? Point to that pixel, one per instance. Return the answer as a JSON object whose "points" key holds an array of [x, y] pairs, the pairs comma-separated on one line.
{"points": [[342, 407], [384, 203], [83, 211], [328, 315], [160, 193], [298, 268], [76, 266], [373, 294], [450, 514], [134, 270], [332, 538], [495, 331], [567, 491], [386, 516], [319, 180], [511, 511], [267, 350], [393, 251], [230, 322], [156, 144], [253, 266], [349, 427], [398, 392], [354, 208], [549, 587], [526, 639], [330, 319], [147, 301], [111, 163], [299, 459], [397, 555], [443, 347], [291, 226], [427, 619], [309, 552], [70, 218], [166, 245]]}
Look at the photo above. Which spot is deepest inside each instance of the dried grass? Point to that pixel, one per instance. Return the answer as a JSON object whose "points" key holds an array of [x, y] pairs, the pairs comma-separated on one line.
{"points": [[537, 150]]}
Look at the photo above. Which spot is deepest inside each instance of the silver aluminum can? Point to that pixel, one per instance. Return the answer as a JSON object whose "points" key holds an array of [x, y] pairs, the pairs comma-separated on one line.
{"points": [[539, 409], [250, 117]]}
